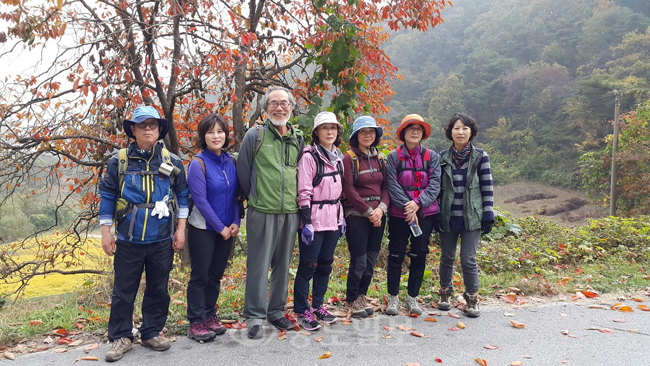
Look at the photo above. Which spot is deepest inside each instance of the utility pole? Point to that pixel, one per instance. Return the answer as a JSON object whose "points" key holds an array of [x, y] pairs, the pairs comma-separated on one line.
{"points": [[612, 194]]}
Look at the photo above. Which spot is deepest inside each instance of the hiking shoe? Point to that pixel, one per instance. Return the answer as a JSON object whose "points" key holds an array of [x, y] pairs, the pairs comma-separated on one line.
{"points": [[413, 305], [393, 305], [357, 309], [445, 298], [119, 347], [212, 323], [157, 343], [473, 310], [366, 305], [323, 315], [282, 323], [199, 332], [308, 321], [255, 332]]}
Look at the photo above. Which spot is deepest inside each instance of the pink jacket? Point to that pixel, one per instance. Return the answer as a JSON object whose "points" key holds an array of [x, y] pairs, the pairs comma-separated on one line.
{"points": [[324, 217]]}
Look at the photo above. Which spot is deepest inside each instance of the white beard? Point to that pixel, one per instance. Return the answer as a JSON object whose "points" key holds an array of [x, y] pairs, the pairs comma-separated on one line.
{"points": [[279, 122]]}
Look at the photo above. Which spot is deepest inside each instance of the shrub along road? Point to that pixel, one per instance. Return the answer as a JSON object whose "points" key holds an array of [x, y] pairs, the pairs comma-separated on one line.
{"points": [[583, 332]]}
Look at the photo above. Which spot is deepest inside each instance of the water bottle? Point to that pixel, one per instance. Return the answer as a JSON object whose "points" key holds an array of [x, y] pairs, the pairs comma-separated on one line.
{"points": [[415, 229]]}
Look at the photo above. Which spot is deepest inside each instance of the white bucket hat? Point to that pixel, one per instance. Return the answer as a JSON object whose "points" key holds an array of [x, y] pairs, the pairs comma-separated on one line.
{"points": [[326, 117]]}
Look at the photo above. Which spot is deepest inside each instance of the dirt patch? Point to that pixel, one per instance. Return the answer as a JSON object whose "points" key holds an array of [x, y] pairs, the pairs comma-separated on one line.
{"points": [[571, 208]]}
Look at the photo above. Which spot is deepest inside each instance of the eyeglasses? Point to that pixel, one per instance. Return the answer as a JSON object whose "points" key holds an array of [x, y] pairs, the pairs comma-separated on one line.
{"points": [[153, 125], [275, 104], [415, 128]]}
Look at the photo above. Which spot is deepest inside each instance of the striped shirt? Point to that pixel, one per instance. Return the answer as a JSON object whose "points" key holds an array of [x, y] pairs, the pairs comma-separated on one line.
{"points": [[485, 181]]}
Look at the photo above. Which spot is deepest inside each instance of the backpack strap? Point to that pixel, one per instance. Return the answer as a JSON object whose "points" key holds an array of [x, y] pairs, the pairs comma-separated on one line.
{"points": [[123, 164], [200, 161], [259, 139]]}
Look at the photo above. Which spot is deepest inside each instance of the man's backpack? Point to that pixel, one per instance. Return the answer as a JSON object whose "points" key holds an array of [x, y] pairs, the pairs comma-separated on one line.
{"points": [[355, 164]]}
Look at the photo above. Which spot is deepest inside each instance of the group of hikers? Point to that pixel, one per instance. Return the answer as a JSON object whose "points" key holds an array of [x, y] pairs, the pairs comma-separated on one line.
{"points": [[314, 192]]}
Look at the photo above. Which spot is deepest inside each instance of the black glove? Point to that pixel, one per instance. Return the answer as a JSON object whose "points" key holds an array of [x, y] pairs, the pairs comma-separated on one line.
{"points": [[437, 222], [486, 227]]}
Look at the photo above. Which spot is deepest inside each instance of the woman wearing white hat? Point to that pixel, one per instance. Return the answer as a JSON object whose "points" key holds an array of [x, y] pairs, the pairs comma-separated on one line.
{"points": [[320, 176]]}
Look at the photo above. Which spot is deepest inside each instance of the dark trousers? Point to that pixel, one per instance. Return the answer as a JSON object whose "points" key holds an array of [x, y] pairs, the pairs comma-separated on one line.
{"points": [[129, 262], [364, 243], [315, 263], [468, 246], [399, 233], [209, 254]]}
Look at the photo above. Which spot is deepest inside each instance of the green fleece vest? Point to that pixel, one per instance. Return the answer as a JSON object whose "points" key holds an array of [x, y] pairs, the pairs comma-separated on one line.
{"points": [[472, 200], [276, 172]]}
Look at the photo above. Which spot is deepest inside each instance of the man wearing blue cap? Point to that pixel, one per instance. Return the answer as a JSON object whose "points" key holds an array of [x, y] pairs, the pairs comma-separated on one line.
{"points": [[140, 191]]}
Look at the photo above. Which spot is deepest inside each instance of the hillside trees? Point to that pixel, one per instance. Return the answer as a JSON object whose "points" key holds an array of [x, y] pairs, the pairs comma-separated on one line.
{"points": [[89, 63]]}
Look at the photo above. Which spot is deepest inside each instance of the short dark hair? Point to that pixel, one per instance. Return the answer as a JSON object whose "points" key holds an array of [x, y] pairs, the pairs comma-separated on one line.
{"points": [[315, 139], [206, 125], [265, 98], [467, 121], [354, 140]]}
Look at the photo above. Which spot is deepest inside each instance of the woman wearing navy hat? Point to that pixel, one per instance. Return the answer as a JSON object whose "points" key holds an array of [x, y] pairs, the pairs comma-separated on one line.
{"points": [[366, 203]]}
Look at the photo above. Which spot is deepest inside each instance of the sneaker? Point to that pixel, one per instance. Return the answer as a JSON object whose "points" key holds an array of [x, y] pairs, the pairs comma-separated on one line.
{"points": [[445, 298], [323, 315], [357, 309], [157, 343], [255, 332], [199, 332], [393, 305], [366, 305], [413, 305], [473, 310], [119, 347], [282, 323], [308, 321], [212, 323]]}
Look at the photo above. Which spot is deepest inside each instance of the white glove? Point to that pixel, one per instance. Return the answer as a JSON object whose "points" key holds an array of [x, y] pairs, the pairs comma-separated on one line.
{"points": [[161, 208]]}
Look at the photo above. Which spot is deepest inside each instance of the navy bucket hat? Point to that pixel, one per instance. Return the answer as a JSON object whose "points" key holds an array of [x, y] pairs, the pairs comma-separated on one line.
{"points": [[365, 122], [142, 114]]}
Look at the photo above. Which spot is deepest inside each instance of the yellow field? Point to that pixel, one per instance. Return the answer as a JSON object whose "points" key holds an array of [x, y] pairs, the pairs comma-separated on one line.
{"points": [[53, 284]]}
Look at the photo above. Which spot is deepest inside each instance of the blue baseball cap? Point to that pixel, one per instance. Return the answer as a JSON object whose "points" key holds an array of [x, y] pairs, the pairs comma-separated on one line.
{"points": [[142, 114], [364, 122]]}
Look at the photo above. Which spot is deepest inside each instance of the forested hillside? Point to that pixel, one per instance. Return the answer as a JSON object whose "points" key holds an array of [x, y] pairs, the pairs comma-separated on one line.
{"points": [[538, 75]]}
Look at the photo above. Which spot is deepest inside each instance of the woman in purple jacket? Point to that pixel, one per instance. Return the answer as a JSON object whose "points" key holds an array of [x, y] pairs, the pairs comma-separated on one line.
{"points": [[213, 225], [320, 176], [413, 177]]}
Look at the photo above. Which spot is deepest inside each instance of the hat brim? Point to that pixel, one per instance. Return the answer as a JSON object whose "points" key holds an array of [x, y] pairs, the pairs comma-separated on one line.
{"points": [[163, 124], [426, 126]]}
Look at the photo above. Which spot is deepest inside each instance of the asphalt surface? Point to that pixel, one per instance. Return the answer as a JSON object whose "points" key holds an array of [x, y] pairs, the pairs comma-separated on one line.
{"points": [[366, 342]]}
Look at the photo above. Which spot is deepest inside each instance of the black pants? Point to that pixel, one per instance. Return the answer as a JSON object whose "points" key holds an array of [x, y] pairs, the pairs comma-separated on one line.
{"points": [[129, 262], [364, 243], [399, 233], [209, 254]]}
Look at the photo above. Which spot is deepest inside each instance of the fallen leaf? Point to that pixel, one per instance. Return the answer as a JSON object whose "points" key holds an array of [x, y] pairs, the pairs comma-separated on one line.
{"points": [[605, 330], [510, 298], [346, 322], [8, 355], [517, 324], [307, 334], [36, 322], [333, 299], [414, 364], [643, 307], [481, 361], [596, 307], [64, 340], [283, 335], [62, 332], [633, 330], [48, 340], [438, 360], [562, 314], [87, 358], [418, 334], [433, 320], [433, 313], [616, 306], [453, 329], [637, 299], [318, 339], [590, 294], [573, 336], [388, 328], [620, 320], [76, 343], [625, 309], [454, 316], [460, 325], [509, 314], [489, 346], [227, 321], [516, 363], [527, 356], [61, 350], [404, 328], [387, 336], [91, 347], [325, 355], [178, 302], [41, 348], [565, 332]]}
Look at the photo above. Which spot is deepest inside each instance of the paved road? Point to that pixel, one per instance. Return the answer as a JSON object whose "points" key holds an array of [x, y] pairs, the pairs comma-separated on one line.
{"points": [[365, 342]]}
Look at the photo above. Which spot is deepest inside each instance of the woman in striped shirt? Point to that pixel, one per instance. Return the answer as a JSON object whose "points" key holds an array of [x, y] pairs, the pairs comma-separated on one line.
{"points": [[466, 204]]}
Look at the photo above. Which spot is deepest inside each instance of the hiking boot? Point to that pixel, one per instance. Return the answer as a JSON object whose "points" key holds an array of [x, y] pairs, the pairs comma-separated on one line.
{"points": [[357, 309], [282, 323], [212, 323], [366, 305], [445, 298], [308, 320], [119, 347], [473, 310], [393, 305], [255, 332], [413, 305], [323, 315], [157, 343], [199, 332]]}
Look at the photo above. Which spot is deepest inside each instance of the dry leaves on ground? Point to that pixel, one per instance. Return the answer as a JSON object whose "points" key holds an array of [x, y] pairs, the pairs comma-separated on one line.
{"points": [[325, 355], [517, 324]]}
